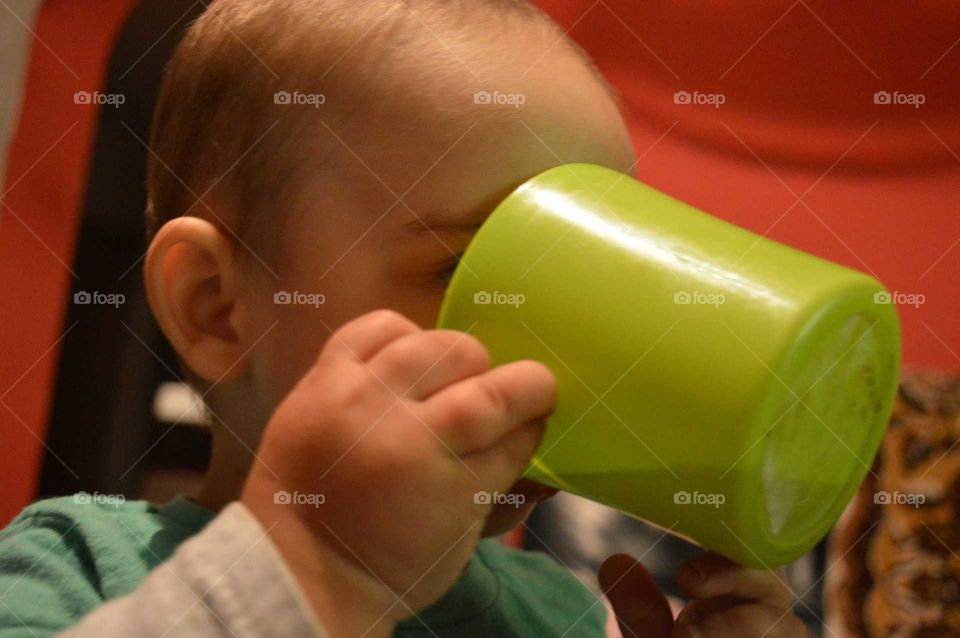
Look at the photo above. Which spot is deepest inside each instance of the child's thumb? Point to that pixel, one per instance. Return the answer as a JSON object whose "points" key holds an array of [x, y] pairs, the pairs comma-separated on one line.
{"points": [[640, 606]]}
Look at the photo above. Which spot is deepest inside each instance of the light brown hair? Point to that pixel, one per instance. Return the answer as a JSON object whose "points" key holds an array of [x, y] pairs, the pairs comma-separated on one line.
{"points": [[223, 145]]}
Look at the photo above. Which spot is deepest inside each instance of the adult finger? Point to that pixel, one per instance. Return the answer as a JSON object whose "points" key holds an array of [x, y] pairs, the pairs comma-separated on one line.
{"points": [[727, 616], [710, 575], [640, 606]]}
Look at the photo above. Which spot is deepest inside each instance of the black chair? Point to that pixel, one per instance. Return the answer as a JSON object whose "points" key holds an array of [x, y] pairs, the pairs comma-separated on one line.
{"points": [[103, 425]]}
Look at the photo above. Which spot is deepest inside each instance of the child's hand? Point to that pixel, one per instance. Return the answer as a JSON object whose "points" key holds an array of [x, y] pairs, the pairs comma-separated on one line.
{"points": [[397, 428], [728, 600]]}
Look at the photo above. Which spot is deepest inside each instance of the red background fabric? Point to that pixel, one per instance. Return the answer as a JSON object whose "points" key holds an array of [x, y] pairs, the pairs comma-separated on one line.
{"points": [[799, 151], [44, 189]]}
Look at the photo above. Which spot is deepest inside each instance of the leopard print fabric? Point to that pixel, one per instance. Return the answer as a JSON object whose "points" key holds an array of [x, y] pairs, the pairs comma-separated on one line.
{"points": [[893, 561]]}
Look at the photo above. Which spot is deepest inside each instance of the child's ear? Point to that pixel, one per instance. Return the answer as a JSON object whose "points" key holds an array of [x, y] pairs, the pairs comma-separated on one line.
{"points": [[191, 280]]}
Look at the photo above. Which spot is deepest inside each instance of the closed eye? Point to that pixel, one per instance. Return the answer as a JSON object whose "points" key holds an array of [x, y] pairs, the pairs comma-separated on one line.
{"points": [[445, 271]]}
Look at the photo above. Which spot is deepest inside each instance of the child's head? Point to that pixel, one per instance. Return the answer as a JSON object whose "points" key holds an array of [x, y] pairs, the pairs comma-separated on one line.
{"points": [[346, 151]]}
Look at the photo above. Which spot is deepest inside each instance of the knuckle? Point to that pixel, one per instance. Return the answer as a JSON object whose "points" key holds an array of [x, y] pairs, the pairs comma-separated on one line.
{"points": [[460, 419], [524, 443], [404, 443], [471, 435], [470, 352], [386, 318], [382, 320], [427, 349], [546, 380], [719, 622], [401, 355], [493, 396], [341, 334], [458, 413], [690, 575], [378, 444], [351, 387]]}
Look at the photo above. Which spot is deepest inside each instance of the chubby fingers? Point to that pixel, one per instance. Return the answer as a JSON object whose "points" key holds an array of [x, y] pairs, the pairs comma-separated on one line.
{"points": [[711, 575], [494, 421], [474, 414], [421, 363], [361, 338]]}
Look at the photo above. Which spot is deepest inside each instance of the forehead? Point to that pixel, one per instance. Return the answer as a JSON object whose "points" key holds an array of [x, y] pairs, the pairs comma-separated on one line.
{"points": [[440, 141], [450, 155]]}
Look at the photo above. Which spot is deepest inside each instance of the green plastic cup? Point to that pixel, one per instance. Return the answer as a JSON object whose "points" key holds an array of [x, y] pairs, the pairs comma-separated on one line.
{"points": [[723, 386]]}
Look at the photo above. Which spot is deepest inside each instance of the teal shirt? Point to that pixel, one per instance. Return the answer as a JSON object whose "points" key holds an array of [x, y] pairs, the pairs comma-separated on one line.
{"points": [[59, 560]]}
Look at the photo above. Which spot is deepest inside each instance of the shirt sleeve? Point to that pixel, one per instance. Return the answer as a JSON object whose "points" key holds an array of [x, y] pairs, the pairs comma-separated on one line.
{"points": [[228, 580]]}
